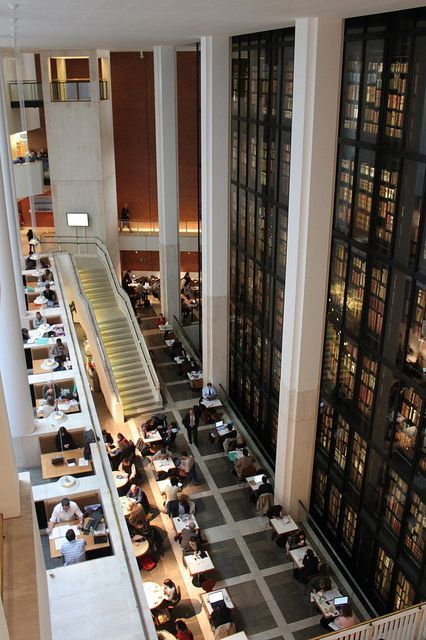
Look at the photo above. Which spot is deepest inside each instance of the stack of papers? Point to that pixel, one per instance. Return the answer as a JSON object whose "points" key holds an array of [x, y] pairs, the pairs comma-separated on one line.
{"points": [[82, 462]]}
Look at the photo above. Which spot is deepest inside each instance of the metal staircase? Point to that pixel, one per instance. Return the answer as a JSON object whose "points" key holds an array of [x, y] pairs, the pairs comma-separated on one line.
{"points": [[122, 342]]}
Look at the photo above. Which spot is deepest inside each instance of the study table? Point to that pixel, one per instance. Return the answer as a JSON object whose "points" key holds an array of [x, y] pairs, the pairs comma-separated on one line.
{"points": [[197, 566], [284, 525], [163, 465], [165, 327], [181, 522], [57, 537], [126, 505], [206, 602], [150, 436], [298, 554], [254, 482], [211, 404], [80, 465], [66, 406], [154, 594], [325, 601], [48, 364], [120, 479], [140, 546]]}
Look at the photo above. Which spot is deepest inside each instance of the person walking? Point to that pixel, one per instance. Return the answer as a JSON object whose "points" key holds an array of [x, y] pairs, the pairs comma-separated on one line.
{"points": [[125, 217]]}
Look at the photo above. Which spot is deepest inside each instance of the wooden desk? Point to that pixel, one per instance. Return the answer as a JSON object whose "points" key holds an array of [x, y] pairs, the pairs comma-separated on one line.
{"points": [[197, 565], [89, 539], [298, 554], [49, 471]]}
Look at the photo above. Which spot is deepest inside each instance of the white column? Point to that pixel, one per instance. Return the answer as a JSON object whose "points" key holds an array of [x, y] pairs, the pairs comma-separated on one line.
{"points": [[215, 206], [9, 483], [12, 360], [317, 64], [10, 197], [167, 178]]}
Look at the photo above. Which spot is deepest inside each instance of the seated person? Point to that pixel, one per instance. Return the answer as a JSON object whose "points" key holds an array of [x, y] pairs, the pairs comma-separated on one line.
{"points": [[187, 468], [230, 434], [297, 540], [51, 297], [45, 262], [47, 276], [183, 633], [181, 506], [25, 335], [38, 320], [344, 620], [176, 348], [139, 496], [30, 263], [58, 351], [50, 387], [161, 320], [171, 490], [128, 469], [221, 617], [209, 392], [265, 487], [136, 519], [108, 439], [73, 550], [169, 434], [187, 534], [246, 461], [163, 454], [64, 440], [170, 592], [309, 569], [45, 410], [193, 546], [65, 511]]}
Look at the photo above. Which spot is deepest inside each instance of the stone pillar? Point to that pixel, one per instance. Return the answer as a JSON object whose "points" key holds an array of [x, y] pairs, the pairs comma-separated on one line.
{"points": [[215, 206], [10, 198], [9, 482], [317, 64], [167, 178], [12, 361]]}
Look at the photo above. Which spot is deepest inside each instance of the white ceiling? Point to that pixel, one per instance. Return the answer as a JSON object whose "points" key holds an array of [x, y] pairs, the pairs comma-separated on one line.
{"points": [[139, 24]]}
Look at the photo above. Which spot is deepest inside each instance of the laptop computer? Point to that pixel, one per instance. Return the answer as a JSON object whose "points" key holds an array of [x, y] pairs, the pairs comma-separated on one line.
{"points": [[340, 601], [219, 424], [216, 597], [58, 461]]}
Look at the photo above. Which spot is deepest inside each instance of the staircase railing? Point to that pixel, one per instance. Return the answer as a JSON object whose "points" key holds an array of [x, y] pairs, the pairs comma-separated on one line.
{"points": [[101, 250], [408, 624]]}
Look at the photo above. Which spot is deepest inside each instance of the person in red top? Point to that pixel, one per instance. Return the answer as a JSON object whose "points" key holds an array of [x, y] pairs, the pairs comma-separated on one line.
{"points": [[161, 320], [183, 633]]}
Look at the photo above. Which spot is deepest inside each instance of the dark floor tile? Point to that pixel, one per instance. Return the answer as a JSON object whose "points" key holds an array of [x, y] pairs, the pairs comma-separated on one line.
{"points": [[205, 447], [208, 513], [227, 559], [148, 323], [251, 610], [155, 340], [170, 373], [160, 356], [264, 550], [290, 596], [239, 504], [180, 392], [220, 469], [310, 632]]}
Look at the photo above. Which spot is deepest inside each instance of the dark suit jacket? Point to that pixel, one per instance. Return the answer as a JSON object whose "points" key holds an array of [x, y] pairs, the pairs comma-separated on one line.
{"points": [[186, 419]]}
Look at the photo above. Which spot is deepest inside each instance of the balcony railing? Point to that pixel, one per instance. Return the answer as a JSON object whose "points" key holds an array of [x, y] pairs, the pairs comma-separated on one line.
{"points": [[147, 227], [31, 92], [75, 90]]}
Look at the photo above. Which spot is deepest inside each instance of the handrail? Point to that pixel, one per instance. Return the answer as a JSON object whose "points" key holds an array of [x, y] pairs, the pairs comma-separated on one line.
{"points": [[378, 627], [106, 469], [149, 227], [52, 238], [105, 359], [1, 556]]}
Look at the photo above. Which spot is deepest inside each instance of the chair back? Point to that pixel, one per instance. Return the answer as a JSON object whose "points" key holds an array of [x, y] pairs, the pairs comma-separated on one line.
{"points": [[208, 585], [264, 502]]}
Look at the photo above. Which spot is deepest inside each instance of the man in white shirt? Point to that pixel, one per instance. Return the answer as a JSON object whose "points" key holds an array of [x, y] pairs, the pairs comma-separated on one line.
{"points": [[209, 392], [65, 511], [73, 550]]}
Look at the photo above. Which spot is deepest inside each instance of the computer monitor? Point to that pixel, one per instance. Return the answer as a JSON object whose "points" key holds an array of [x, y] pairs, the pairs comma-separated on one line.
{"points": [[215, 597], [340, 601], [219, 424]]}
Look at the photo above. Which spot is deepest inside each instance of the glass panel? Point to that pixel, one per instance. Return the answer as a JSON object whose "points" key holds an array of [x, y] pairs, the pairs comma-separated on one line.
{"points": [[334, 501], [347, 372], [251, 223], [234, 212], [288, 84], [339, 261], [259, 295], [272, 173], [275, 82], [266, 362], [414, 540], [397, 317], [344, 190], [285, 167], [374, 483], [248, 339], [253, 83], [341, 444], [385, 217], [350, 90], [242, 217], [262, 165], [267, 301], [398, 88], [233, 285], [263, 84], [409, 214], [274, 427], [376, 301], [395, 500], [260, 232], [404, 593], [364, 199], [282, 243], [416, 139], [366, 386], [257, 345], [244, 81], [415, 357], [318, 492], [331, 357], [372, 90], [256, 403], [242, 176], [235, 83], [357, 468], [407, 423], [349, 528], [325, 430], [270, 236], [383, 573], [234, 149], [279, 313], [252, 164], [355, 295], [250, 286], [276, 370]]}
